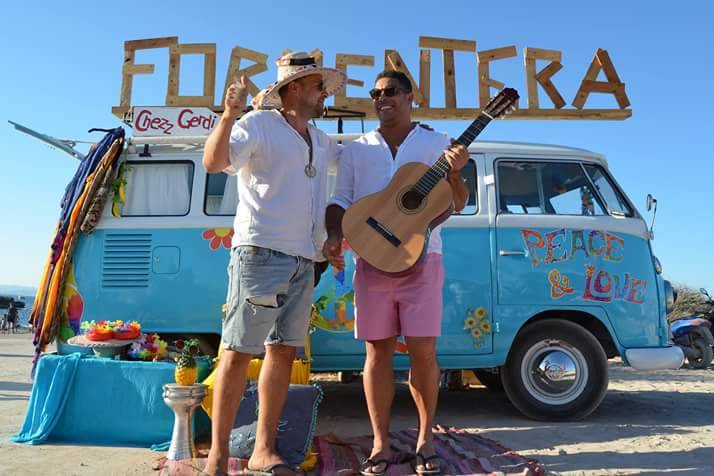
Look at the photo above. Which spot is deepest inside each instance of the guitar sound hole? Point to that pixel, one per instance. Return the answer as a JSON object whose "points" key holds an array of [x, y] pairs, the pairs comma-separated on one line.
{"points": [[412, 200]]}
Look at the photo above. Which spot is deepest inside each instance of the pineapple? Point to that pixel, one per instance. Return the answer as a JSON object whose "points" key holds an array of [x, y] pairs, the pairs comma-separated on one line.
{"points": [[186, 369]]}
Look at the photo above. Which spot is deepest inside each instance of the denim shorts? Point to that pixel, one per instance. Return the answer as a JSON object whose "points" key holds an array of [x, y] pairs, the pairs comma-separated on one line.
{"points": [[269, 299]]}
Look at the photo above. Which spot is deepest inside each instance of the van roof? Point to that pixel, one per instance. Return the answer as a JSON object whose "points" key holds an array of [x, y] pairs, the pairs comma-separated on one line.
{"points": [[175, 144]]}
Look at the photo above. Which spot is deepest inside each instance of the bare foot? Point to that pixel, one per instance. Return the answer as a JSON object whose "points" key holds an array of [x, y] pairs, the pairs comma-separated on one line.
{"points": [[215, 466]]}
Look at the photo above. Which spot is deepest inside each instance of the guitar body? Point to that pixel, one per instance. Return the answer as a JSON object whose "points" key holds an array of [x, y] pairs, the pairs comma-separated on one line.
{"points": [[390, 229]]}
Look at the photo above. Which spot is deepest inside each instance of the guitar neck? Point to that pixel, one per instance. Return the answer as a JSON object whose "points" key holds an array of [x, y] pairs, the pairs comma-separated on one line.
{"points": [[439, 170]]}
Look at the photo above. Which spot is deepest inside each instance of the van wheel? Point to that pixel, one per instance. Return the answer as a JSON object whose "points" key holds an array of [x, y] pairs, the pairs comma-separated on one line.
{"points": [[556, 370], [704, 350], [490, 378]]}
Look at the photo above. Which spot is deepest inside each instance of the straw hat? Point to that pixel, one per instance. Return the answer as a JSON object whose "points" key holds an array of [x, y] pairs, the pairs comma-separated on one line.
{"points": [[296, 65]]}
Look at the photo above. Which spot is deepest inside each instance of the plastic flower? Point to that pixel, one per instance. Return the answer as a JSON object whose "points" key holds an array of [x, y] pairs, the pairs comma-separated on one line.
{"points": [[218, 237], [485, 326], [469, 322], [480, 313], [476, 332]]}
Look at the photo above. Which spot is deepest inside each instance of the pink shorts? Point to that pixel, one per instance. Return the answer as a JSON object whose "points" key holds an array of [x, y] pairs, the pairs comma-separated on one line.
{"points": [[410, 305]]}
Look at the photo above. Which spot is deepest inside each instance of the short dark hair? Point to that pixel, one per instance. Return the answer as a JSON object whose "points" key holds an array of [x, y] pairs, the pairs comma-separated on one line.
{"points": [[401, 78]]}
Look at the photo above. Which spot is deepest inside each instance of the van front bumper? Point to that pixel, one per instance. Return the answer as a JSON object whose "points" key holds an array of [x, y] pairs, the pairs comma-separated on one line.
{"points": [[657, 358]]}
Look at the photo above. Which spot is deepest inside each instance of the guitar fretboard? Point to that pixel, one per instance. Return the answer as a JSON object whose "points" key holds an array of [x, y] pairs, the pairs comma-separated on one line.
{"points": [[439, 170]]}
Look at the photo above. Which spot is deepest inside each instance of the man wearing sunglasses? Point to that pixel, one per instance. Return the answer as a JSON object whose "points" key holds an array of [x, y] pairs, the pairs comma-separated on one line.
{"points": [[386, 306], [281, 163]]}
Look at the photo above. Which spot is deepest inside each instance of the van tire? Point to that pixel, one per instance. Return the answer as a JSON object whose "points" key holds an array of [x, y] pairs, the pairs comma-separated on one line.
{"points": [[491, 379], [555, 396]]}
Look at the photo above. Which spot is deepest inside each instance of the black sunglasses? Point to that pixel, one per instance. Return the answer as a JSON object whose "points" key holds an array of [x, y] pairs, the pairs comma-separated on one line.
{"points": [[389, 92]]}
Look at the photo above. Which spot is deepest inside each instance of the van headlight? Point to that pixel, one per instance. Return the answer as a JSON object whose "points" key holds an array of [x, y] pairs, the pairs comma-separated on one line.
{"points": [[670, 296], [658, 265]]}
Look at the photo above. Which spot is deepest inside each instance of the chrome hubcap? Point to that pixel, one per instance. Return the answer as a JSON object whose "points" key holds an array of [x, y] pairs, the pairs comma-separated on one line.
{"points": [[554, 372]]}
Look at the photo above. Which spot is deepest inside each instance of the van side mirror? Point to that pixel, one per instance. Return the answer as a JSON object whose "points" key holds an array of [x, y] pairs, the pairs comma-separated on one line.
{"points": [[651, 201]]}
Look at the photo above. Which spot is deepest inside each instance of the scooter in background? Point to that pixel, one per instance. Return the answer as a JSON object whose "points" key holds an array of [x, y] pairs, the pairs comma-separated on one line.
{"points": [[693, 335]]}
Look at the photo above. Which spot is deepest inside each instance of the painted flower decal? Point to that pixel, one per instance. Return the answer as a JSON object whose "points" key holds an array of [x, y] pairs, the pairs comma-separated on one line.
{"points": [[218, 237], [477, 325]]}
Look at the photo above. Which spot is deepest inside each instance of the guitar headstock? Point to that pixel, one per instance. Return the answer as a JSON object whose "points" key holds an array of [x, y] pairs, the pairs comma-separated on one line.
{"points": [[502, 104]]}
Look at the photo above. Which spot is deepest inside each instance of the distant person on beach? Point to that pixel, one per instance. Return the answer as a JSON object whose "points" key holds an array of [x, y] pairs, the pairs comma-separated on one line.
{"points": [[12, 317], [281, 163], [386, 306]]}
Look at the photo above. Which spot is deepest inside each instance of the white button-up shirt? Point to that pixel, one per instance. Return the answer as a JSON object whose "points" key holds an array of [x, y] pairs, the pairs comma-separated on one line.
{"points": [[279, 206], [366, 166]]}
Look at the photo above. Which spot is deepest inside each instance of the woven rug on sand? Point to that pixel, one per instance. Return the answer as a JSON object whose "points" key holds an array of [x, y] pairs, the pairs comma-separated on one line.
{"points": [[461, 453]]}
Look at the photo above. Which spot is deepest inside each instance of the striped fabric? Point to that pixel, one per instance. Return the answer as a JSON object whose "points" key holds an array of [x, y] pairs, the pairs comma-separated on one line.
{"points": [[461, 452]]}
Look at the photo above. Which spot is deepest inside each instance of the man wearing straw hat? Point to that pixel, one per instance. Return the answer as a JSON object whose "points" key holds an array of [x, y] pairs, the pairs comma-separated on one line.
{"points": [[281, 162]]}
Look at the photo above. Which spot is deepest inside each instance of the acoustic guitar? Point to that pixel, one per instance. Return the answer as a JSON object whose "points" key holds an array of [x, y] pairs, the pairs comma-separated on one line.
{"points": [[390, 229]]}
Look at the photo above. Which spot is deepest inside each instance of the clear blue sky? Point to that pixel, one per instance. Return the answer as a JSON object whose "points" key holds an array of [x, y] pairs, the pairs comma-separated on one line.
{"points": [[62, 73]]}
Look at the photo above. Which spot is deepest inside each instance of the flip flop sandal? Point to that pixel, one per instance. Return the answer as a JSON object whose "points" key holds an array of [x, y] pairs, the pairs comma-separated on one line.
{"points": [[371, 463], [421, 460], [269, 470]]}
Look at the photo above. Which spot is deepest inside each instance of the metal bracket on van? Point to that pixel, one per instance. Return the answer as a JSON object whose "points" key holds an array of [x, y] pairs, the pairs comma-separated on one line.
{"points": [[145, 152]]}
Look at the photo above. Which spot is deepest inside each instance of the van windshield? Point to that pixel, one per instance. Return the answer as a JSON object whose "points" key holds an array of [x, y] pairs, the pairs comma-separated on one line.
{"points": [[556, 188]]}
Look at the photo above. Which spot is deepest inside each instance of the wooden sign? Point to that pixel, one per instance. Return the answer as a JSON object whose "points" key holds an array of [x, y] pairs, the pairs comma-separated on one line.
{"points": [[487, 86]]}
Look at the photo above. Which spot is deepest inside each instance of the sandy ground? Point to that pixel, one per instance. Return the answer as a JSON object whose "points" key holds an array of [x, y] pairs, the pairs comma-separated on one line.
{"points": [[649, 423]]}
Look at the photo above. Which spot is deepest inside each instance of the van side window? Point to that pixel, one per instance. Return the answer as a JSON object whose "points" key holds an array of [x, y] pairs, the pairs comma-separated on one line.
{"points": [[548, 188], [614, 200], [221, 196], [158, 189], [468, 172]]}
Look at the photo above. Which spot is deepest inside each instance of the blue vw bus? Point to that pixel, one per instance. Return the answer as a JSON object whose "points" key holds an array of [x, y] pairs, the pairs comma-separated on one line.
{"points": [[550, 272]]}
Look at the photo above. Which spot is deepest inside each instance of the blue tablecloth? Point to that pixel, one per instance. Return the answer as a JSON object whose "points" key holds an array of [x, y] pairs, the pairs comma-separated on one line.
{"points": [[100, 401]]}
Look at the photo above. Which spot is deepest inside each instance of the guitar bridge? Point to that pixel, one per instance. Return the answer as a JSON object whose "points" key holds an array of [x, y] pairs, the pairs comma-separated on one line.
{"points": [[382, 230]]}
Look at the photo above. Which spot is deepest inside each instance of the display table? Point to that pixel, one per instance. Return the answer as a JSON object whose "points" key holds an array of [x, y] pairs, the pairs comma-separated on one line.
{"points": [[84, 399]]}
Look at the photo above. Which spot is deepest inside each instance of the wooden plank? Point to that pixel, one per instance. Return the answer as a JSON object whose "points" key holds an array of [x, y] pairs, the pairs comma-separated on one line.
{"points": [[484, 74], [484, 93], [496, 84], [195, 48], [131, 69], [190, 101], [126, 79], [542, 54], [446, 43], [531, 83], [235, 72], [355, 60], [121, 112], [174, 71], [365, 105], [318, 55], [611, 74], [393, 60], [355, 82], [486, 56], [606, 64], [602, 86], [591, 74], [341, 62], [209, 76], [251, 55], [449, 79], [543, 77], [425, 77], [150, 43]]}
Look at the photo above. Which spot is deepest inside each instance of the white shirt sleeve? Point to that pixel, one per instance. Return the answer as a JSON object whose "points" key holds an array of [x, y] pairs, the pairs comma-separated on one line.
{"points": [[245, 136], [345, 185]]}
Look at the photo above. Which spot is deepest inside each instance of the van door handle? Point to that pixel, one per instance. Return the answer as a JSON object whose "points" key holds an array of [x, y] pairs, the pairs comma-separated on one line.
{"points": [[512, 253]]}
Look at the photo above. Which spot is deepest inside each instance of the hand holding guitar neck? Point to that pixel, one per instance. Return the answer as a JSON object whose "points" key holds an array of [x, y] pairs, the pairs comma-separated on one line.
{"points": [[389, 229]]}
